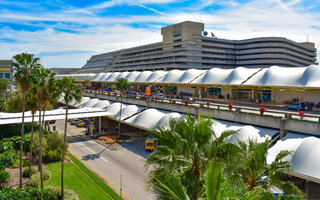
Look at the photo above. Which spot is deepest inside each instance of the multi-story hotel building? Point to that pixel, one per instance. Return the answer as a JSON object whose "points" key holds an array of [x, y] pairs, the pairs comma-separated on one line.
{"points": [[186, 45]]}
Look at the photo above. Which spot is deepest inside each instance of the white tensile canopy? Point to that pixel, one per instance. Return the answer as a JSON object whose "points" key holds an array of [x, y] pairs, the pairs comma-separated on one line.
{"points": [[13, 118]]}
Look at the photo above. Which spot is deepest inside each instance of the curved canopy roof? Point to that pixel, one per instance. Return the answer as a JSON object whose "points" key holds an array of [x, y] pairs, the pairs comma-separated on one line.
{"points": [[226, 76], [285, 76], [78, 77], [102, 104], [128, 111]]}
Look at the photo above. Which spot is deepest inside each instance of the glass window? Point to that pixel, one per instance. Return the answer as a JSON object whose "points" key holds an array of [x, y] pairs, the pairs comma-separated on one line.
{"points": [[173, 89], [1, 75], [214, 91], [7, 75], [265, 95]]}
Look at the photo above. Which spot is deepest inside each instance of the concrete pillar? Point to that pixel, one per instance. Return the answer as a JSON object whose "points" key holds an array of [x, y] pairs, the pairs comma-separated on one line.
{"points": [[283, 131], [99, 125], [147, 103], [255, 95]]}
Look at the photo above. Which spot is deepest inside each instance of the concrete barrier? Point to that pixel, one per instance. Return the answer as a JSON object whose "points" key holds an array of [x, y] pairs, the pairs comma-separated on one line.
{"points": [[285, 124]]}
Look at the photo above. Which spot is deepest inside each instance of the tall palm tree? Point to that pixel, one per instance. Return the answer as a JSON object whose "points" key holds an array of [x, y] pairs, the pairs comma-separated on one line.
{"points": [[122, 85], [46, 89], [22, 66], [32, 104], [72, 91], [184, 149]]}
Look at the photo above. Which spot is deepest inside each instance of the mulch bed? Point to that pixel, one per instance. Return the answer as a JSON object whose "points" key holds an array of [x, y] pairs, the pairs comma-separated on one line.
{"points": [[14, 180]]}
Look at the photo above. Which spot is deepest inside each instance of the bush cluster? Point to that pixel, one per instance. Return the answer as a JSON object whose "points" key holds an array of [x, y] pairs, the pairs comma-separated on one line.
{"points": [[27, 194], [4, 176], [68, 194], [25, 172], [35, 178], [52, 145], [8, 158]]}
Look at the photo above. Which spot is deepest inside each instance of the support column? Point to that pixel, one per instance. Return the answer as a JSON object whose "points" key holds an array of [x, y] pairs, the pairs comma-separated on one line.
{"points": [[255, 95], [99, 125], [283, 131]]}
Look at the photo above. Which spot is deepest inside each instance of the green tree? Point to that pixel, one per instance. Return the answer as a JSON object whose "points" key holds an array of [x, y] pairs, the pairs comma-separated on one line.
{"points": [[4, 85], [185, 149], [122, 85], [23, 64], [72, 91], [13, 102], [32, 104], [46, 91], [252, 166]]}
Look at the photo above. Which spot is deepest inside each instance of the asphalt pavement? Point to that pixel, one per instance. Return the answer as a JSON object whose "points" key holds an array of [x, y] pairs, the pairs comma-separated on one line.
{"points": [[112, 164]]}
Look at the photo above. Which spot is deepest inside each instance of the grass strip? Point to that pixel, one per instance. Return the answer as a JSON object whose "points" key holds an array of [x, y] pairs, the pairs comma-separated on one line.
{"points": [[95, 178]]}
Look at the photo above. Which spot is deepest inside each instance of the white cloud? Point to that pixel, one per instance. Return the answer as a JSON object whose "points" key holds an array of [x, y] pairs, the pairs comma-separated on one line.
{"points": [[102, 34]]}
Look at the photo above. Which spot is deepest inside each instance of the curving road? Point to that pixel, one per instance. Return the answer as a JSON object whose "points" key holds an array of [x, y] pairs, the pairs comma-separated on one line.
{"points": [[111, 164]]}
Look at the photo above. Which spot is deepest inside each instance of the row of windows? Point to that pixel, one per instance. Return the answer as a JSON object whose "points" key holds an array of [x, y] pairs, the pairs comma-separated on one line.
{"points": [[5, 75]]}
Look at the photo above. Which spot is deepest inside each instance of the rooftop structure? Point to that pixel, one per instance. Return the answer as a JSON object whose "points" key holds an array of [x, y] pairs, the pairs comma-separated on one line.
{"points": [[186, 45]]}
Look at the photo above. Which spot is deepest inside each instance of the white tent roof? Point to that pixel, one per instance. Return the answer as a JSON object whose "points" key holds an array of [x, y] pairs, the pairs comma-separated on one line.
{"points": [[132, 76], [142, 77], [147, 119], [102, 104], [225, 76], [90, 103], [287, 76], [128, 111], [98, 77], [13, 118], [79, 77]]}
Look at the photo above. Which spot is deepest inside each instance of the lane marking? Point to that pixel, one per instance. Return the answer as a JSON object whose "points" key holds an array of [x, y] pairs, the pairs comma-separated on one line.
{"points": [[94, 152], [84, 162]]}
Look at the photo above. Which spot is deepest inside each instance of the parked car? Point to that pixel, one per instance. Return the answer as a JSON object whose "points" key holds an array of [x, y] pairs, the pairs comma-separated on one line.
{"points": [[94, 88], [160, 96], [294, 106], [189, 99], [74, 121]]}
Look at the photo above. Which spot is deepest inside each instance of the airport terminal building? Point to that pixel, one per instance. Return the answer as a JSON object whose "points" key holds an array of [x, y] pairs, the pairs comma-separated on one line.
{"points": [[187, 45]]}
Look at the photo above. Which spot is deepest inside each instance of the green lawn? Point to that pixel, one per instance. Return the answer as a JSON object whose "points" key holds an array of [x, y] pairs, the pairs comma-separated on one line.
{"points": [[75, 180]]}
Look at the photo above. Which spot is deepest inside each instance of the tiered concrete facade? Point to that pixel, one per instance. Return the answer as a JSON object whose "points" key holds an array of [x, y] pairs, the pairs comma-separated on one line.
{"points": [[184, 47]]}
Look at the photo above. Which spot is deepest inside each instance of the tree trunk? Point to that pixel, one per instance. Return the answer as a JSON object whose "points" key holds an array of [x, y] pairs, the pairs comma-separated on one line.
{"points": [[64, 149], [43, 122], [40, 147], [120, 117], [22, 133], [31, 142]]}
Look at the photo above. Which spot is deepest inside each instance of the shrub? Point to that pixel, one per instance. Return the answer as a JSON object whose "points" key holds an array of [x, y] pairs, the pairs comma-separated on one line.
{"points": [[52, 145], [25, 163], [39, 194], [25, 172], [4, 176], [68, 194], [8, 158], [35, 179], [27, 194]]}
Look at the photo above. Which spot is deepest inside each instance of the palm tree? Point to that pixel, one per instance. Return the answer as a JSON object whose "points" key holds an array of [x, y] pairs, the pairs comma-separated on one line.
{"points": [[46, 89], [122, 85], [4, 85], [252, 166], [32, 104], [185, 149], [22, 66], [72, 91]]}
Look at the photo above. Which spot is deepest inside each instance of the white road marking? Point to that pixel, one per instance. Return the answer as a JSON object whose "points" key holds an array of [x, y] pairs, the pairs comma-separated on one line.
{"points": [[94, 153]]}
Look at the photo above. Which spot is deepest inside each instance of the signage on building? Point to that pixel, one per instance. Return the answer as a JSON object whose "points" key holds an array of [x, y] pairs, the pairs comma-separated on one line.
{"points": [[148, 90]]}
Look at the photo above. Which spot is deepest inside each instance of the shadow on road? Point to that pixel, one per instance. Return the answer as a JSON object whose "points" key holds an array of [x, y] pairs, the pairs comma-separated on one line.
{"points": [[136, 145]]}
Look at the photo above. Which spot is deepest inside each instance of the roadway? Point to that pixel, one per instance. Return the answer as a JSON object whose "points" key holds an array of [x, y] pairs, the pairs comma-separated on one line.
{"points": [[111, 164]]}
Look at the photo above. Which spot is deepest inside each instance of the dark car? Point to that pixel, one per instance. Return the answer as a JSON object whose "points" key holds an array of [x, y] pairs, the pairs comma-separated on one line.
{"points": [[294, 106], [52, 121]]}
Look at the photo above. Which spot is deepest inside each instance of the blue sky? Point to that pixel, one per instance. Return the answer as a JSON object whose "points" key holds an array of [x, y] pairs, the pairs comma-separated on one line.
{"points": [[66, 33]]}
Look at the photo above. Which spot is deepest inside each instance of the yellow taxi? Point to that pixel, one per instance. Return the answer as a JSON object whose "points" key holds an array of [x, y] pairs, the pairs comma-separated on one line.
{"points": [[150, 144], [69, 119], [81, 123]]}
